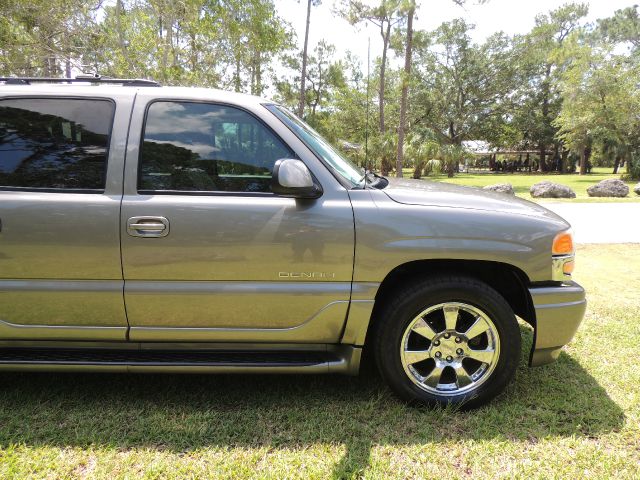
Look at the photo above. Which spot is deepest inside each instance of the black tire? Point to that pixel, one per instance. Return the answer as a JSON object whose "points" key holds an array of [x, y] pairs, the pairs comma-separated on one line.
{"points": [[395, 317]]}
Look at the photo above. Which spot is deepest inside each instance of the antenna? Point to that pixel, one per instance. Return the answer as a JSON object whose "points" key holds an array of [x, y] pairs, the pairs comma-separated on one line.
{"points": [[366, 124]]}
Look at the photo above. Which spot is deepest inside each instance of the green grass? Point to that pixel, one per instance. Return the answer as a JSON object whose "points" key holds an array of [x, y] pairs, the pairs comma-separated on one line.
{"points": [[522, 182], [577, 418]]}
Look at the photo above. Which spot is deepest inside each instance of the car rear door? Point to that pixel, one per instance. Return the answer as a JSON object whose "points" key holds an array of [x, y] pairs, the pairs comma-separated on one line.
{"points": [[209, 253], [61, 168]]}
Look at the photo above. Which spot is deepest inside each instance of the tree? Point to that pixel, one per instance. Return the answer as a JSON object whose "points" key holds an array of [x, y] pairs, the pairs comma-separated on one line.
{"points": [[227, 44], [541, 57], [303, 74], [623, 27], [402, 125], [600, 100], [421, 150], [384, 16], [409, 7], [44, 38], [343, 118], [324, 76], [463, 89], [262, 35]]}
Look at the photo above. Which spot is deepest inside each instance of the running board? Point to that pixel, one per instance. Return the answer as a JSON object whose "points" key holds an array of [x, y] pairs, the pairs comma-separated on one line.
{"points": [[339, 360]]}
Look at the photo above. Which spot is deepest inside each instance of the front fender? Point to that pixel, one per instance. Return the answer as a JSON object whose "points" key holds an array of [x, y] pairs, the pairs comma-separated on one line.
{"points": [[389, 234]]}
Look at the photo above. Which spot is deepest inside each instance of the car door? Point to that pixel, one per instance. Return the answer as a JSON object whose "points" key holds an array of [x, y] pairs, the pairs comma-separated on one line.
{"points": [[209, 253], [60, 266]]}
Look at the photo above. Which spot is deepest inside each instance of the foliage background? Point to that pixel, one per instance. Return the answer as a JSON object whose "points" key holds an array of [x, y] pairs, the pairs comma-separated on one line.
{"points": [[567, 91]]}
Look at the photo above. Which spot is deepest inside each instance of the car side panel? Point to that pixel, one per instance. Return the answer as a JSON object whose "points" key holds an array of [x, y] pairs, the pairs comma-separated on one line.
{"points": [[60, 260], [390, 234], [238, 267]]}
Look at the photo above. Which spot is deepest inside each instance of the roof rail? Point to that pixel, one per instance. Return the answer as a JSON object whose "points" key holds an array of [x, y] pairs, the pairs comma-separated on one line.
{"points": [[129, 82]]}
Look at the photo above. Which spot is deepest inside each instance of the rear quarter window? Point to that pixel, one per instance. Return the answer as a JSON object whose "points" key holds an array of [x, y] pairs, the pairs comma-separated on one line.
{"points": [[54, 143]]}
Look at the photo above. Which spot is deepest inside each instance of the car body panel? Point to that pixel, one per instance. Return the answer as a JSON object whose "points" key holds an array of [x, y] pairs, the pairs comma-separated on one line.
{"points": [[390, 234], [558, 312], [235, 265], [429, 193], [60, 254]]}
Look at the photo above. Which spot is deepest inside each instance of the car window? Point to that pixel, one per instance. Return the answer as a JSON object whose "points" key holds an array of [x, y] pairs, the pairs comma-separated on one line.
{"points": [[201, 147], [339, 164], [54, 143]]}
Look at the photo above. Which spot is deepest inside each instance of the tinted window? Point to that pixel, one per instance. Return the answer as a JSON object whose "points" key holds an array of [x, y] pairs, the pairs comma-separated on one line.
{"points": [[54, 143], [206, 148]]}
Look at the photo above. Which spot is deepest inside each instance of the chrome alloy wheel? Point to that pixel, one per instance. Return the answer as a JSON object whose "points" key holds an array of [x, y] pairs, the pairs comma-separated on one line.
{"points": [[450, 348]]}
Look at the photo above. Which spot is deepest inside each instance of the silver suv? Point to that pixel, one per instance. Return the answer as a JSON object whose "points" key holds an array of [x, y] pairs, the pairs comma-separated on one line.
{"points": [[148, 229]]}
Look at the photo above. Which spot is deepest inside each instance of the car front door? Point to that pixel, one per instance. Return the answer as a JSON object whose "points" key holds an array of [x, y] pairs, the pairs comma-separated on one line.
{"points": [[60, 266], [209, 253]]}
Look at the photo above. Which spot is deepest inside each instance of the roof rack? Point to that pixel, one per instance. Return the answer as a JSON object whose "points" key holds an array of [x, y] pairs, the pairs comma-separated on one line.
{"points": [[129, 82]]}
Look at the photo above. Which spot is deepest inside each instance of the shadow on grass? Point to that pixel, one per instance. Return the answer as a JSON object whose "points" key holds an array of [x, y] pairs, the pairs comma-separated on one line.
{"points": [[183, 413]]}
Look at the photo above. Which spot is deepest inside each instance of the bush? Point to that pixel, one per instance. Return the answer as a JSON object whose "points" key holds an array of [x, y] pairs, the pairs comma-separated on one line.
{"points": [[433, 166], [634, 166]]}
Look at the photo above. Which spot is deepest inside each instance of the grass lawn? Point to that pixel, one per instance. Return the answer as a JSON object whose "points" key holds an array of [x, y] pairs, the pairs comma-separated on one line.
{"points": [[577, 418], [522, 182]]}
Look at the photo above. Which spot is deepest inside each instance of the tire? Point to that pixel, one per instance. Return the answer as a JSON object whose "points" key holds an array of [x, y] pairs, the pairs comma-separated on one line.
{"points": [[448, 340]]}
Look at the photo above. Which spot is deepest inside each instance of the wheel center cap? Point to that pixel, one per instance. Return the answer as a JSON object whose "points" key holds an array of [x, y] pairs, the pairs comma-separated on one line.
{"points": [[445, 348]]}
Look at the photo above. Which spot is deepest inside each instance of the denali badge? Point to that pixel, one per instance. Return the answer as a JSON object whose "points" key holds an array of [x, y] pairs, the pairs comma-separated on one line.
{"points": [[306, 275]]}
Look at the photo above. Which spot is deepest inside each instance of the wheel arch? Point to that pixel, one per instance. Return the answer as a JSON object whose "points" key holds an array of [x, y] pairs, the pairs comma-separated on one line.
{"points": [[509, 281]]}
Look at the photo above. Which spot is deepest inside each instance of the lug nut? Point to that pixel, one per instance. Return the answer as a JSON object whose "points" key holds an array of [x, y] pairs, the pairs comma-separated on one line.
{"points": [[447, 335], [449, 359], [459, 351], [438, 354], [436, 343], [458, 340]]}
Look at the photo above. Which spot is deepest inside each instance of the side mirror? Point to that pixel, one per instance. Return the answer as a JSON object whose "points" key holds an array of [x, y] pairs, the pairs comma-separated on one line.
{"points": [[292, 178]]}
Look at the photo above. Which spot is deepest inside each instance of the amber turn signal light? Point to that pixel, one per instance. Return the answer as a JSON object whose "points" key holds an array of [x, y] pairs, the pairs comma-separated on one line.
{"points": [[563, 244], [567, 268]]}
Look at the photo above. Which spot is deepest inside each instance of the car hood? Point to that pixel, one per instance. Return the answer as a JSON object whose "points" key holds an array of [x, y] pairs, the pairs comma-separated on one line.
{"points": [[441, 194]]}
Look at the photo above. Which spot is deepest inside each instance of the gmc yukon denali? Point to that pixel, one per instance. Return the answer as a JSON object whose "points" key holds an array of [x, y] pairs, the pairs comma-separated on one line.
{"points": [[166, 229]]}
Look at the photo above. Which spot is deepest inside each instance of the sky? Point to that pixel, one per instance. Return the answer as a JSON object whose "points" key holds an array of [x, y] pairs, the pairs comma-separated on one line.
{"points": [[510, 16]]}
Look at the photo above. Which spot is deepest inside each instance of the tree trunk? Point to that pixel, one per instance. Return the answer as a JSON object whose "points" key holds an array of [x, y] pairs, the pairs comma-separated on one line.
{"points": [[565, 155], [383, 67], [237, 79], [628, 162], [193, 53], [303, 75], [616, 164], [168, 43], [542, 167], [258, 73], [318, 91], [545, 116], [121, 41], [405, 92], [584, 158]]}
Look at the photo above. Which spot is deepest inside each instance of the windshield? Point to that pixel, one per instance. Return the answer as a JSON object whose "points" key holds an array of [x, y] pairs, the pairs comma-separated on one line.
{"points": [[344, 167]]}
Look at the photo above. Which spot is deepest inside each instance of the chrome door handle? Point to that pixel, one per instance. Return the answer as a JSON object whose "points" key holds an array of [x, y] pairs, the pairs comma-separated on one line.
{"points": [[148, 227]]}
